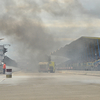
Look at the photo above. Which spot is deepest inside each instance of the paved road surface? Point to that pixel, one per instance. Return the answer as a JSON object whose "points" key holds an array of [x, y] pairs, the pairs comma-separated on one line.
{"points": [[49, 86]]}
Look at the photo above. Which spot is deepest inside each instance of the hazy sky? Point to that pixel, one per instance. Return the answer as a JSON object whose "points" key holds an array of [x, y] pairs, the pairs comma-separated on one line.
{"points": [[66, 20]]}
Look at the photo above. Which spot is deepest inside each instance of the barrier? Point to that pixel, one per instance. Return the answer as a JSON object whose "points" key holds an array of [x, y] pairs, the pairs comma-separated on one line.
{"points": [[8, 73]]}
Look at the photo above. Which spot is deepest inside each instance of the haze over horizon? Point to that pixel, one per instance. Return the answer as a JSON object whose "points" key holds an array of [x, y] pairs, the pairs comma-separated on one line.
{"points": [[61, 20]]}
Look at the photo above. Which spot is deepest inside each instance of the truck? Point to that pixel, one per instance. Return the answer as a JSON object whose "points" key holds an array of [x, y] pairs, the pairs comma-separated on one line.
{"points": [[52, 67], [47, 67], [43, 67]]}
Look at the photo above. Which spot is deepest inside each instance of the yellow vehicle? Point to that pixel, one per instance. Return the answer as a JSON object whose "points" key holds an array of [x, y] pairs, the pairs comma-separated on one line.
{"points": [[43, 67], [52, 67]]}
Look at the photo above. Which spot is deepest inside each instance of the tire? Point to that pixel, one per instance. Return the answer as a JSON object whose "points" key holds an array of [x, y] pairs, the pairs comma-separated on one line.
{"points": [[51, 71]]}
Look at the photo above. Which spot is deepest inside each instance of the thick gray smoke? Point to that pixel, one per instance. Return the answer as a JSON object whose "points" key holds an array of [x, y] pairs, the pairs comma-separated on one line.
{"points": [[21, 22], [27, 31]]}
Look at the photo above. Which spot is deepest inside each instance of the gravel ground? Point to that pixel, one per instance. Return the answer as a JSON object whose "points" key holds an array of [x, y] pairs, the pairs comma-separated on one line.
{"points": [[49, 86]]}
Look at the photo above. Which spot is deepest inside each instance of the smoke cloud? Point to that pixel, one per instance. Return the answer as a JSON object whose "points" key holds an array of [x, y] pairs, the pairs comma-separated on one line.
{"points": [[22, 25], [21, 22]]}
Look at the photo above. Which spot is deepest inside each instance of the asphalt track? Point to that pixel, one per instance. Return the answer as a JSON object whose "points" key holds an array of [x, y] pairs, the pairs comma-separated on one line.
{"points": [[62, 85]]}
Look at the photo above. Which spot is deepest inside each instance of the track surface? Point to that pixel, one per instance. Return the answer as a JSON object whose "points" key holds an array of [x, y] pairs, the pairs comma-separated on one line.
{"points": [[49, 86]]}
